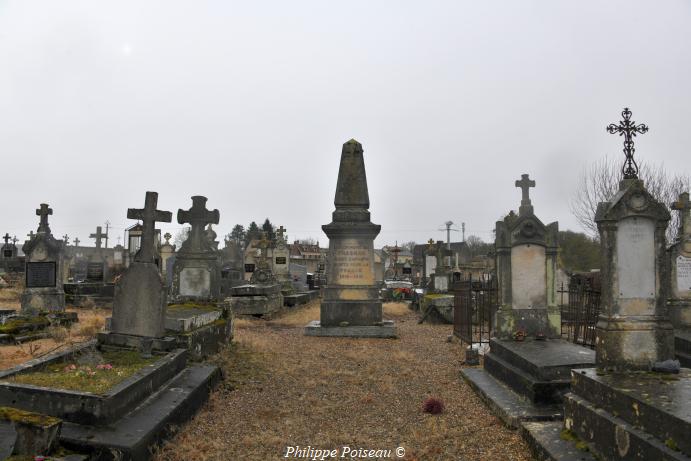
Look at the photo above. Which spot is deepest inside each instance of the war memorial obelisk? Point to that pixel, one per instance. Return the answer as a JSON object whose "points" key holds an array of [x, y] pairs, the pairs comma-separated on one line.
{"points": [[350, 302]]}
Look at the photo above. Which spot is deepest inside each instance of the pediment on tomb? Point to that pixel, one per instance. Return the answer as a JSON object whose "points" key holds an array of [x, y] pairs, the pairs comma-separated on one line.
{"points": [[528, 229], [632, 200]]}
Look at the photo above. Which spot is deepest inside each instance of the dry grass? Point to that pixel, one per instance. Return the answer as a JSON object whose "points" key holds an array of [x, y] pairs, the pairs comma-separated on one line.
{"points": [[90, 322], [284, 388]]}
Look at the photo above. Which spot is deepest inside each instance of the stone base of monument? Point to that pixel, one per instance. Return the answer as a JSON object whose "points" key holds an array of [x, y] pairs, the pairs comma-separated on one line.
{"points": [[259, 300], [124, 421], [635, 415], [34, 300], [387, 329], [682, 347], [549, 440], [437, 308], [109, 338], [79, 294], [202, 330], [526, 380]]}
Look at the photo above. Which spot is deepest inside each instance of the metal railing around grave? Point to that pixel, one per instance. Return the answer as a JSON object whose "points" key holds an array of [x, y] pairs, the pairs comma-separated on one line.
{"points": [[475, 303], [580, 308]]}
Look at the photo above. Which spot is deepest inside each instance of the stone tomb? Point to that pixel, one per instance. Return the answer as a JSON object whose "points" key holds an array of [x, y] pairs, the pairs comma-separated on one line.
{"points": [[350, 301], [680, 288], [44, 267], [527, 371], [196, 272]]}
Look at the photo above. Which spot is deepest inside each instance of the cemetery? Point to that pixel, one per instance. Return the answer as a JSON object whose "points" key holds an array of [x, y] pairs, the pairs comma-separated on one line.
{"points": [[552, 322]]}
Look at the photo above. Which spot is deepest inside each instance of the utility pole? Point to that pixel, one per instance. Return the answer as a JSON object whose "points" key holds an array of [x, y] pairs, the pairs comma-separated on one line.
{"points": [[463, 230], [448, 229]]}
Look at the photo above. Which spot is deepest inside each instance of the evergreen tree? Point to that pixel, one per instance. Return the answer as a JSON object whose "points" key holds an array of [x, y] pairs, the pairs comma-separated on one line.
{"points": [[269, 229], [252, 233]]}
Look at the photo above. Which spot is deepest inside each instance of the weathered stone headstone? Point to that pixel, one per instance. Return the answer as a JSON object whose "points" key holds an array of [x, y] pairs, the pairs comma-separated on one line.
{"points": [[140, 303], [526, 272], [8, 250], [196, 273], [350, 304], [680, 259], [280, 259], [97, 267], [440, 279], [44, 269], [626, 408]]}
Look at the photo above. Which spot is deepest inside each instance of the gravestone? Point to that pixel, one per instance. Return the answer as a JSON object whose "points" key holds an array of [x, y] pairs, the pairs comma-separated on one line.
{"points": [[526, 272], [139, 305], [527, 371], [280, 259], [8, 250], [96, 267], [680, 277], [350, 301], [441, 276], [635, 404], [44, 269], [196, 272]]}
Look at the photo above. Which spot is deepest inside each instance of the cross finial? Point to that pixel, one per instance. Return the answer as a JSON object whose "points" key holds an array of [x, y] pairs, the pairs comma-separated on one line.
{"points": [[280, 231], [430, 242], [66, 239], [14, 240], [525, 183], [31, 235], [628, 129], [6, 238], [683, 206], [76, 241], [149, 216], [197, 217], [167, 236], [44, 211], [98, 236]]}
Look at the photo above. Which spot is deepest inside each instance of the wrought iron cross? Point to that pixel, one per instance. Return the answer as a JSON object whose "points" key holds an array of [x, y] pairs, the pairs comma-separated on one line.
{"points": [[98, 236], [683, 206], [6, 238], [628, 129], [44, 211], [149, 216]]}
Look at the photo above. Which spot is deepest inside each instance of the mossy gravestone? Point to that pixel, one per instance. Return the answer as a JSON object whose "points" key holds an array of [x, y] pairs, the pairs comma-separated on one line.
{"points": [[139, 305], [350, 302]]}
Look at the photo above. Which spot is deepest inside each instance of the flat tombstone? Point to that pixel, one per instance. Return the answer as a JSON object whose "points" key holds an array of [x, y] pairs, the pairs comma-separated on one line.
{"points": [[41, 274], [528, 281], [636, 260], [195, 281]]}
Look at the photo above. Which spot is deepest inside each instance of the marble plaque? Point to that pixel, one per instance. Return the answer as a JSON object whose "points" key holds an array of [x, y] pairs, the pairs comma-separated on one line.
{"points": [[528, 277], [195, 281], [636, 258], [683, 274], [40, 274], [352, 264]]}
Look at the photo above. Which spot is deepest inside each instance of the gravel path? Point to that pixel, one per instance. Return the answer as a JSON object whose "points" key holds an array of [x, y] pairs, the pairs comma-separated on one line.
{"points": [[283, 389]]}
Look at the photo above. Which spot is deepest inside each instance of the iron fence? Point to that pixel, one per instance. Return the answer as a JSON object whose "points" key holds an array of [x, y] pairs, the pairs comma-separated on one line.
{"points": [[580, 308], [475, 303]]}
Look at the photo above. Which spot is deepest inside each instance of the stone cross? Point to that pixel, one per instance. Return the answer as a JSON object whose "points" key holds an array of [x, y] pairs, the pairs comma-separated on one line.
{"points": [[76, 241], [683, 206], [31, 235], [66, 238], [280, 231], [14, 240], [628, 129], [197, 217], [6, 238], [149, 216], [44, 211], [263, 245], [525, 183], [98, 236]]}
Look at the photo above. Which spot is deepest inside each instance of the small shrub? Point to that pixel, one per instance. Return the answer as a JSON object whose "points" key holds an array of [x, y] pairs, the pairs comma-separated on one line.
{"points": [[58, 334], [433, 406]]}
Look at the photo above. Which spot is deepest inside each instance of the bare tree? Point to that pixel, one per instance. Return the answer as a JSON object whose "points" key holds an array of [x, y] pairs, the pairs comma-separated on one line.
{"points": [[181, 236], [599, 182]]}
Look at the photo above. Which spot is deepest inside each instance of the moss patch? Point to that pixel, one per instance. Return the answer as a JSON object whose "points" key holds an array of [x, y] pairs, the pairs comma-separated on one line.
{"points": [[570, 436], [27, 417], [671, 444], [204, 307], [116, 367], [28, 324]]}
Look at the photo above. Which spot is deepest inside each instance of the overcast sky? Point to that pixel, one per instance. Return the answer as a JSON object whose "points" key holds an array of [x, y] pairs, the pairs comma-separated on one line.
{"points": [[249, 103]]}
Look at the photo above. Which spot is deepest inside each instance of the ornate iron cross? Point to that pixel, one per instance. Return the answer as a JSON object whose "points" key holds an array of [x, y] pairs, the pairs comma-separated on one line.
{"points": [[628, 129], [149, 216]]}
